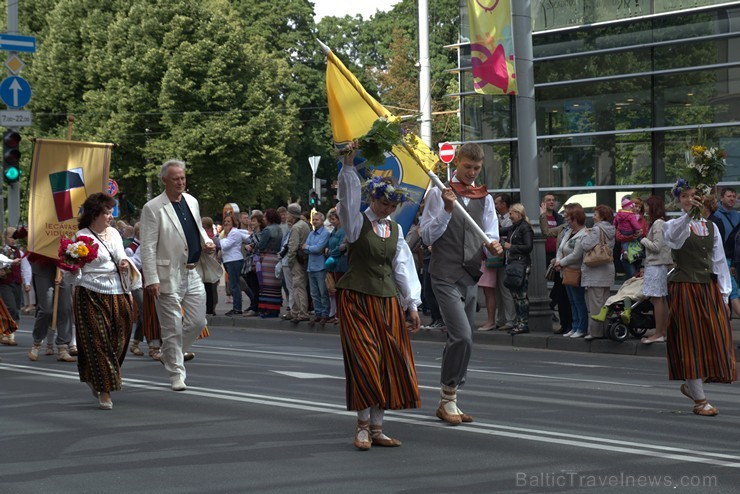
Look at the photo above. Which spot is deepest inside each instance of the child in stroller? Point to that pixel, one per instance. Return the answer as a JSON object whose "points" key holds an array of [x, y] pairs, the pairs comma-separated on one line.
{"points": [[627, 312]]}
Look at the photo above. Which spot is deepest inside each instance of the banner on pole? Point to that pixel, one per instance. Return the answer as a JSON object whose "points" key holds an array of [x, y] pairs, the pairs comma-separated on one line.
{"points": [[63, 174], [492, 46]]}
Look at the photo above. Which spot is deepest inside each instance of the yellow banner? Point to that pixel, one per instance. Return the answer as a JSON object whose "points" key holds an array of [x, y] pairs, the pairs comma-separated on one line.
{"points": [[63, 174], [352, 111], [492, 46]]}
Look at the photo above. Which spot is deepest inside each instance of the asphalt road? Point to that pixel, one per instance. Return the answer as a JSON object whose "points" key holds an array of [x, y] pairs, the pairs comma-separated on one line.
{"points": [[264, 412]]}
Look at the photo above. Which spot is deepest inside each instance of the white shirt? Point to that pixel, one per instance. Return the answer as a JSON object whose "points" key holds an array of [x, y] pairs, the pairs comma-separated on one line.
{"points": [[677, 231], [101, 275], [349, 194], [435, 219]]}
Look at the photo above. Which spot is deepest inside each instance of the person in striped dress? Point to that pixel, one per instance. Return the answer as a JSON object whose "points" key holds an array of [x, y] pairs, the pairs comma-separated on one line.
{"points": [[699, 337], [379, 286]]}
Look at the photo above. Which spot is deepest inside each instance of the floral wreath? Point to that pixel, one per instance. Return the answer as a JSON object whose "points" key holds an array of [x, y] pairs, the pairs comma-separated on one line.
{"points": [[377, 188], [681, 185]]}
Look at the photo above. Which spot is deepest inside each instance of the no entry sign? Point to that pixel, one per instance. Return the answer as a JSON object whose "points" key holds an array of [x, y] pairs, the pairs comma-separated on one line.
{"points": [[446, 152]]}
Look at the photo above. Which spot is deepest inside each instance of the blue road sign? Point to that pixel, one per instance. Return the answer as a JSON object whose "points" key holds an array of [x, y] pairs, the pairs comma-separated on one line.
{"points": [[15, 91], [14, 42]]}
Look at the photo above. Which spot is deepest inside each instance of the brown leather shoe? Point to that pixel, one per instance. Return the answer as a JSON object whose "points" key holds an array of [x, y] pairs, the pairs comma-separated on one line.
{"points": [[452, 419], [466, 418], [376, 435], [363, 444]]}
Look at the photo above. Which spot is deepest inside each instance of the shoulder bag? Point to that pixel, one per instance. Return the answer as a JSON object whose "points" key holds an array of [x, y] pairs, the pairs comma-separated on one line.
{"points": [[571, 276], [601, 253], [514, 274]]}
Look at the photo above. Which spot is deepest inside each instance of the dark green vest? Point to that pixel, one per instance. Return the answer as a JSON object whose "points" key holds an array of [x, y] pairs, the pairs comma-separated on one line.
{"points": [[371, 262], [694, 259]]}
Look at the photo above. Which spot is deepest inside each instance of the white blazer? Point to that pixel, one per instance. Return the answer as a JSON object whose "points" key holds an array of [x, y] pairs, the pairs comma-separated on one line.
{"points": [[164, 249]]}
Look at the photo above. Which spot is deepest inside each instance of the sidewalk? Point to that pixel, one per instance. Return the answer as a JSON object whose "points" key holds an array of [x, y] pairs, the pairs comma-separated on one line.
{"points": [[543, 340]]}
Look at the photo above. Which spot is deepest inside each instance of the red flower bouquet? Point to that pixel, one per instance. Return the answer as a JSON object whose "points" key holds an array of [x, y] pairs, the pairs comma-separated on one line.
{"points": [[73, 254]]}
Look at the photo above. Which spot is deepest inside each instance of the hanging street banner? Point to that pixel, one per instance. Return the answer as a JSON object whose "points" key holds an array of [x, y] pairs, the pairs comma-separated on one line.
{"points": [[492, 46], [63, 174]]}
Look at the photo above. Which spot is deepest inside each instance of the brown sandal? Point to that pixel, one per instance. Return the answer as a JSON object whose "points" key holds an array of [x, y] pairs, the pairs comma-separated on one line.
{"points": [[362, 444], [703, 408], [376, 433]]}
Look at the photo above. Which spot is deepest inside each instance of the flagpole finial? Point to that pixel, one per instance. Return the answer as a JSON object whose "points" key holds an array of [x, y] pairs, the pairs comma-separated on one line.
{"points": [[324, 48]]}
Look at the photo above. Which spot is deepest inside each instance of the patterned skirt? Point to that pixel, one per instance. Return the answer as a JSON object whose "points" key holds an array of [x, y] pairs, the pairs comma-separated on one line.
{"points": [[271, 295], [103, 328], [378, 359], [699, 337], [7, 323]]}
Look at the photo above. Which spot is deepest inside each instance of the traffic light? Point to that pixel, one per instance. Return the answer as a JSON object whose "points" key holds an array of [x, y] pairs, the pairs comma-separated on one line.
{"points": [[313, 199], [320, 188], [11, 157]]}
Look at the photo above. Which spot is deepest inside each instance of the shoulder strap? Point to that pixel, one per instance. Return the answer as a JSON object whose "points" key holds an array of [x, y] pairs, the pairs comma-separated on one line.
{"points": [[109, 253]]}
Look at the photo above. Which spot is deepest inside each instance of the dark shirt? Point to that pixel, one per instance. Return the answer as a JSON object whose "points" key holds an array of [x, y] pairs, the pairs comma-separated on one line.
{"points": [[190, 228]]}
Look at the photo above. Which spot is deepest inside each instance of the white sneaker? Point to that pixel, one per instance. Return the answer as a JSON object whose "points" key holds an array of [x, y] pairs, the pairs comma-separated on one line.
{"points": [[569, 333], [578, 334], [178, 385]]}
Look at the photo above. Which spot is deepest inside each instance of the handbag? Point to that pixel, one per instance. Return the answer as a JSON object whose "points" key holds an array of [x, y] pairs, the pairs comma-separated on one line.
{"points": [[514, 275], [331, 286], [494, 262], [550, 274], [601, 253], [571, 276]]}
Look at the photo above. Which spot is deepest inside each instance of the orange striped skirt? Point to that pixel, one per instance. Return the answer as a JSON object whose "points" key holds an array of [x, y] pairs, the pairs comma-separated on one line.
{"points": [[378, 359], [7, 324], [699, 334]]}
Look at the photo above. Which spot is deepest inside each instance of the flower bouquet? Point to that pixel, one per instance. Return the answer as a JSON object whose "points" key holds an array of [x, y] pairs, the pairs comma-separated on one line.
{"points": [[73, 254], [705, 168]]}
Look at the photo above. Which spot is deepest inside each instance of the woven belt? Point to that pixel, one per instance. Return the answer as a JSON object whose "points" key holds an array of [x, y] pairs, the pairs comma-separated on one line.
{"points": [[190, 266]]}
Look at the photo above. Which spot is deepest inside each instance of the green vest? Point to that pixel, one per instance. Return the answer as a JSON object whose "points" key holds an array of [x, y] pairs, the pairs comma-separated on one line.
{"points": [[694, 259], [371, 262]]}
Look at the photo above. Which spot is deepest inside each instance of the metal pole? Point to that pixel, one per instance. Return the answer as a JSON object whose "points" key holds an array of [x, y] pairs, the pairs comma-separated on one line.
{"points": [[425, 91], [539, 310], [14, 190]]}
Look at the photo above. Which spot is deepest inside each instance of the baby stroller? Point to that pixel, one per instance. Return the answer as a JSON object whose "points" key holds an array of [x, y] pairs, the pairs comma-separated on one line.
{"points": [[621, 323]]}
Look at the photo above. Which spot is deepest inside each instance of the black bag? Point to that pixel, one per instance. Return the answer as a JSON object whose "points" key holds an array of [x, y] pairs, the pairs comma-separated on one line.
{"points": [[514, 274]]}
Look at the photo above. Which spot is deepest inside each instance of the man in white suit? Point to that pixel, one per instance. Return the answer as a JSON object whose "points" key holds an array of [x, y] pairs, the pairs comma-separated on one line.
{"points": [[173, 244]]}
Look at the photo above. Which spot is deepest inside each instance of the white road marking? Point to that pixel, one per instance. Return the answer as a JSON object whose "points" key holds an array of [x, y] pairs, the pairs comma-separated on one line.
{"points": [[491, 429]]}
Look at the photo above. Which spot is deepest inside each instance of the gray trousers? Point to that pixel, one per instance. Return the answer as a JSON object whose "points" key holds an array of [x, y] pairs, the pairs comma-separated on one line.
{"points": [[457, 306], [12, 295], [43, 285], [595, 298]]}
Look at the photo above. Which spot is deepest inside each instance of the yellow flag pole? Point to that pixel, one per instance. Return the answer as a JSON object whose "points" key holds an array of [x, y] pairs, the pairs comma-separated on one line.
{"points": [[382, 112]]}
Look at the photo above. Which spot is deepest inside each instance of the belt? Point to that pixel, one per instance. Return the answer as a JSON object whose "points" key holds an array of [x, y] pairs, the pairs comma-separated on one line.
{"points": [[190, 266]]}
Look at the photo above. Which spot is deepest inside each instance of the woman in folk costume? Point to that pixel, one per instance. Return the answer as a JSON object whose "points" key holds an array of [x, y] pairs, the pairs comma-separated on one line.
{"points": [[699, 335], [379, 285]]}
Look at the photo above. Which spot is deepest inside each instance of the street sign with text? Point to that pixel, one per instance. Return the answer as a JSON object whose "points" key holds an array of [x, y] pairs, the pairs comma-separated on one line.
{"points": [[15, 118]]}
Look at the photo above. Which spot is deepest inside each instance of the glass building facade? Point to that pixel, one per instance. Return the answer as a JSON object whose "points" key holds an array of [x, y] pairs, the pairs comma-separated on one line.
{"points": [[622, 88]]}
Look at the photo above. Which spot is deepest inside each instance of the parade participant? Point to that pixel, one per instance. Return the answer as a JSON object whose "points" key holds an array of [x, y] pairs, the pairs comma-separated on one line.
{"points": [[174, 248], [455, 267], [699, 337], [379, 285], [11, 282], [103, 307]]}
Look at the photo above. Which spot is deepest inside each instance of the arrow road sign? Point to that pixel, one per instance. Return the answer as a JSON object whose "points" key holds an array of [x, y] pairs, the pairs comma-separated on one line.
{"points": [[15, 91], [14, 42]]}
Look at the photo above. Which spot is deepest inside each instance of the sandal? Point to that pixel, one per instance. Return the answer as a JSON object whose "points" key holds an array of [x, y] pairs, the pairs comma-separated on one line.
{"points": [[703, 407], [363, 444], [380, 439]]}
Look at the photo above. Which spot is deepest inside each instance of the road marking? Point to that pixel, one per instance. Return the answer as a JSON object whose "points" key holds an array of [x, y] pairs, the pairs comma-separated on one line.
{"points": [[482, 428], [307, 375]]}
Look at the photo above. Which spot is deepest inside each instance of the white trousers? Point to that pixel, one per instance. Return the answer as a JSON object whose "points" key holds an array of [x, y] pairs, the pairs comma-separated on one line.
{"points": [[182, 317]]}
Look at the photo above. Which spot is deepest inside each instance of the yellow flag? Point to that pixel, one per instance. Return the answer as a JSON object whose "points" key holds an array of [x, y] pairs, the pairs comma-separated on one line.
{"points": [[352, 111], [492, 46], [63, 174]]}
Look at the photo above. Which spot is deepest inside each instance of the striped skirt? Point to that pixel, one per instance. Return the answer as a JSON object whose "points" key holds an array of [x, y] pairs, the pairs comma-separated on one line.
{"points": [[271, 295], [378, 359], [103, 328], [699, 337], [7, 323]]}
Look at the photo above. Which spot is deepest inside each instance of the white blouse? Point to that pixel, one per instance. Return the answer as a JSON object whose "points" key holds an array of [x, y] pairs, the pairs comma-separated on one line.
{"points": [[101, 275], [677, 231], [349, 195]]}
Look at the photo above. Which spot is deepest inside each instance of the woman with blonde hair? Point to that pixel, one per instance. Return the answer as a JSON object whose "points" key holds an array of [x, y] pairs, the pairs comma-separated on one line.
{"points": [[518, 249]]}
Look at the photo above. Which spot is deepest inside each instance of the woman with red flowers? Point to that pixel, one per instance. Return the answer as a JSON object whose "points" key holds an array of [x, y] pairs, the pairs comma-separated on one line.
{"points": [[103, 306]]}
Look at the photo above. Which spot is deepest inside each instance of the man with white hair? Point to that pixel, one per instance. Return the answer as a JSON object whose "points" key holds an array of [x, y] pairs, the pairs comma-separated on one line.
{"points": [[174, 256]]}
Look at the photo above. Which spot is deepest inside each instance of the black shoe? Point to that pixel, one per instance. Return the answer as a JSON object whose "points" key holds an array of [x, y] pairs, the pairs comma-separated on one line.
{"points": [[560, 330], [519, 330], [233, 313]]}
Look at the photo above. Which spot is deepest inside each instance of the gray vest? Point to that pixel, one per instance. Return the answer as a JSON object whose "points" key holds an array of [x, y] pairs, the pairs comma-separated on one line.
{"points": [[458, 250]]}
